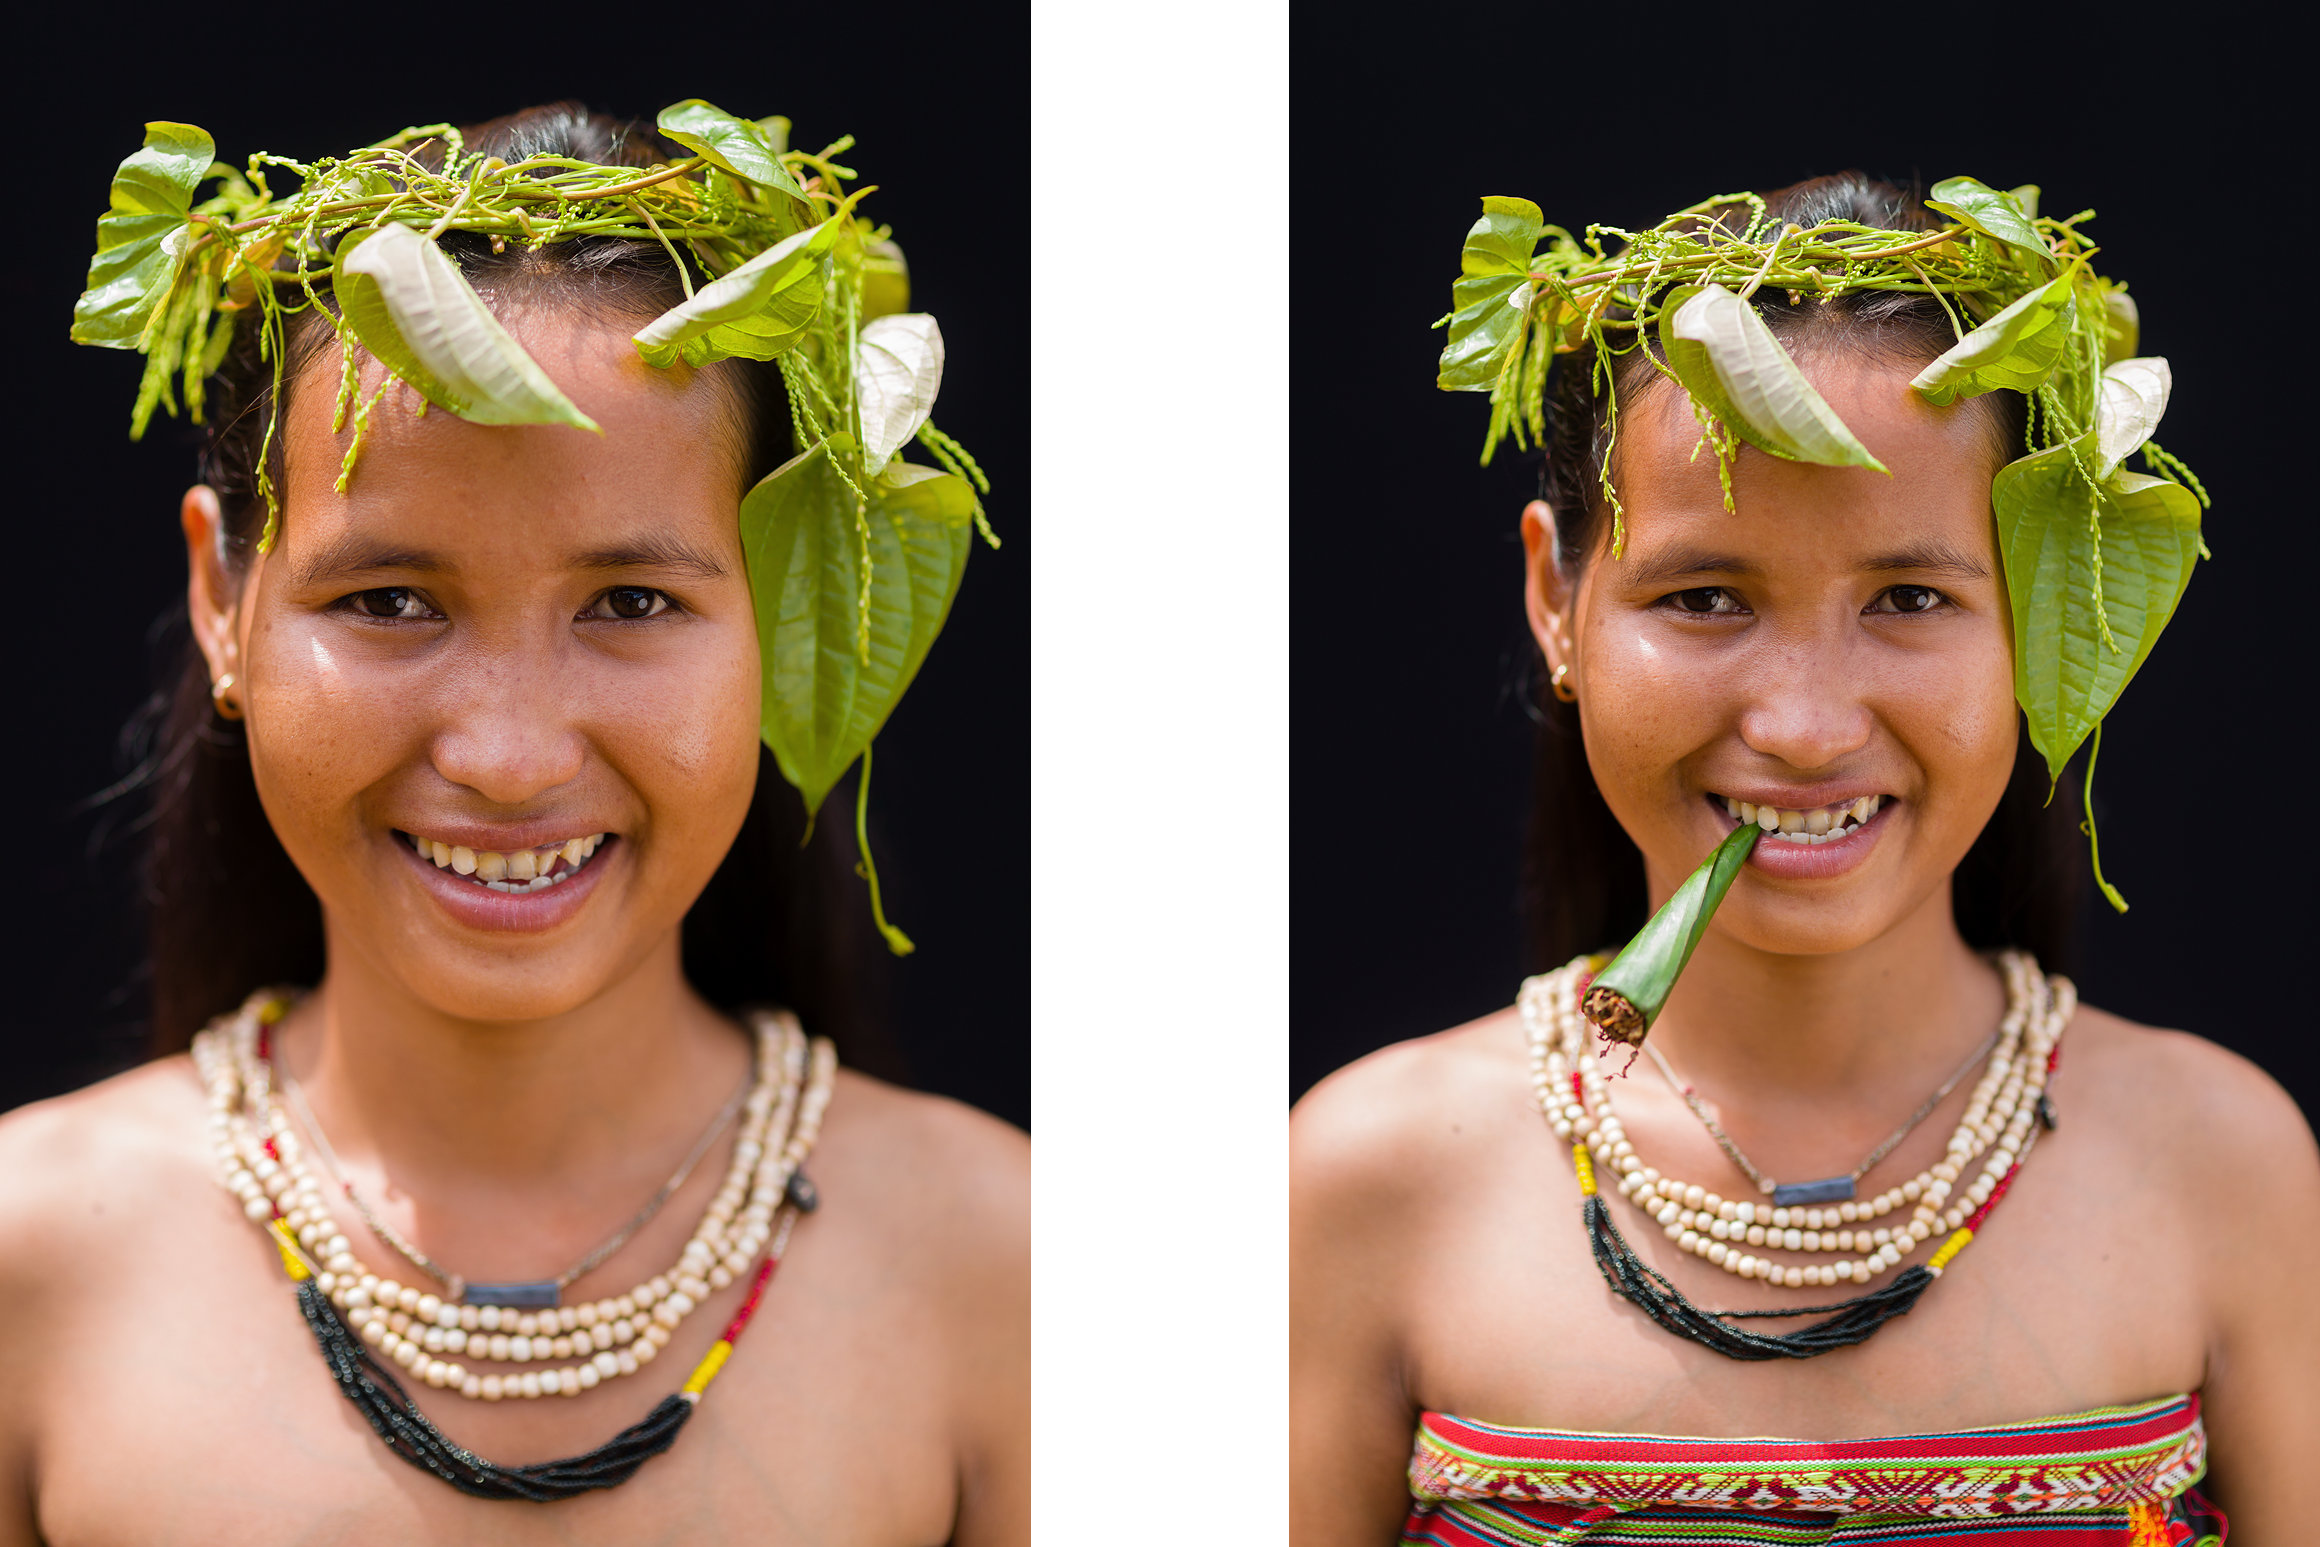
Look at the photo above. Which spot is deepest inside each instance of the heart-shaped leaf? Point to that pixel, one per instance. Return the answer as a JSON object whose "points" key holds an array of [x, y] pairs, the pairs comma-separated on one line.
{"points": [[898, 370], [141, 236], [2018, 348], [1489, 302], [1996, 215], [2066, 673], [759, 310], [2134, 398], [736, 144], [416, 312], [1732, 365], [824, 696]]}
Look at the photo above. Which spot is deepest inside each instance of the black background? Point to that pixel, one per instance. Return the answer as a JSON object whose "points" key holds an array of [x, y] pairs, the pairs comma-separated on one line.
{"points": [[939, 101], [1409, 739]]}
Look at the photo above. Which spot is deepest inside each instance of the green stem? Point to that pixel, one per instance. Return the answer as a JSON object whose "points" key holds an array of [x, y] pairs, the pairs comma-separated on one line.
{"points": [[896, 941], [2094, 847]]}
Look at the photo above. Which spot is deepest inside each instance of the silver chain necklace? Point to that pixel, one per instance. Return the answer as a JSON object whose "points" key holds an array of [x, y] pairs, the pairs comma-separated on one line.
{"points": [[530, 1294], [1830, 1189]]}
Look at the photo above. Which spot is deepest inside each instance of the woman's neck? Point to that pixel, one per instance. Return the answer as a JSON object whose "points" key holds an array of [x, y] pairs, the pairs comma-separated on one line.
{"points": [[1872, 1030], [442, 1105]]}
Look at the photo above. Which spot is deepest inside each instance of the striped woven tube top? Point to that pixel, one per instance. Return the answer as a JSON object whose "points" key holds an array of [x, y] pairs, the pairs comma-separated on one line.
{"points": [[2112, 1477]]}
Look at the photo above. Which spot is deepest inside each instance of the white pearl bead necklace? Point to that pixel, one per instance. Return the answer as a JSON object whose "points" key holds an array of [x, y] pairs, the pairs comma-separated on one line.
{"points": [[1996, 1124], [611, 1337]]}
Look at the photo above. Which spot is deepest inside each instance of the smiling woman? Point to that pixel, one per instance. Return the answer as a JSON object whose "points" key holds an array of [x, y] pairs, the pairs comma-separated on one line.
{"points": [[1806, 544], [486, 738]]}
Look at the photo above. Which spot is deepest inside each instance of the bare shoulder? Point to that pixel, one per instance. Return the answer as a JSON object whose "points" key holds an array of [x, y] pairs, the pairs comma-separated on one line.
{"points": [[73, 1166], [1374, 1130], [952, 1181], [2218, 1151], [2199, 1102], [88, 1183]]}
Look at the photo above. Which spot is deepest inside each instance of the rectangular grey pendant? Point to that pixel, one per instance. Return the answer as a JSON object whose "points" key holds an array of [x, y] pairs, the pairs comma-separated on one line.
{"points": [[528, 1297], [1831, 1189]]}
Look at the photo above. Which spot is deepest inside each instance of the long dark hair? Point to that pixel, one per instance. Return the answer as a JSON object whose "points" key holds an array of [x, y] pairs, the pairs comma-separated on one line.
{"points": [[783, 921], [2020, 883]]}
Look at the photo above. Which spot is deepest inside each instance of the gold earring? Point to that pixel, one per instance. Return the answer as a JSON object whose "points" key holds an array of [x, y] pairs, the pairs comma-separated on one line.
{"points": [[226, 707], [1560, 683]]}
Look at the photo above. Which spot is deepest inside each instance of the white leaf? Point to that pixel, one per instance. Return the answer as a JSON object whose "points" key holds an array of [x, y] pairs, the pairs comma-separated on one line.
{"points": [[897, 372], [2134, 396], [1731, 364], [441, 338], [738, 295]]}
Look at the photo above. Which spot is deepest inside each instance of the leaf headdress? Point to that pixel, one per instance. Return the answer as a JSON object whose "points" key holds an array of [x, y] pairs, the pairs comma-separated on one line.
{"points": [[854, 554], [2096, 556]]}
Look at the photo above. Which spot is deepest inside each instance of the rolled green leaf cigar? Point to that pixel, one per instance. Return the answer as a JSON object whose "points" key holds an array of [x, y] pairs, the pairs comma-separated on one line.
{"points": [[1626, 996]]}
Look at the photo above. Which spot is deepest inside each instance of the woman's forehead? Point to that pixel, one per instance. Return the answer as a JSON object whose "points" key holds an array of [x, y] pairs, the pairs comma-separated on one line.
{"points": [[663, 462], [1937, 491]]}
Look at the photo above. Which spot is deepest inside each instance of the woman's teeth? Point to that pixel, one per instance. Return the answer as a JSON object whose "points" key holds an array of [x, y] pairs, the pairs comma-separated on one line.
{"points": [[522, 870], [1823, 824]]}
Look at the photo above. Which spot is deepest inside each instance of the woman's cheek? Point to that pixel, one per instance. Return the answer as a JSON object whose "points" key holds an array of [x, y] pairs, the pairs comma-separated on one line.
{"points": [[694, 761], [1653, 712], [317, 738], [1643, 715]]}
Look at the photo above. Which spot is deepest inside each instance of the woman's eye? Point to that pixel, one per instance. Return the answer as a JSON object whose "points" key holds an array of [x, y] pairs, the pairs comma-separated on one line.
{"points": [[1907, 598], [1704, 600], [392, 601], [629, 601]]}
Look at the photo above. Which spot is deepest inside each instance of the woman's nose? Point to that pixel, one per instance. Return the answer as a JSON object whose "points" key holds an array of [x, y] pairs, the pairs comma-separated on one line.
{"points": [[1805, 709], [508, 739]]}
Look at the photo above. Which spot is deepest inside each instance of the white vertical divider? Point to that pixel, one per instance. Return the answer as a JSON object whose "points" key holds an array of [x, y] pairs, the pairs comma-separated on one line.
{"points": [[1160, 276]]}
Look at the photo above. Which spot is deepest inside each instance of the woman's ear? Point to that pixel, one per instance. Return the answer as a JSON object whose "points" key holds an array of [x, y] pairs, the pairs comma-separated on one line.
{"points": [[212, 599], [1547, 592]]}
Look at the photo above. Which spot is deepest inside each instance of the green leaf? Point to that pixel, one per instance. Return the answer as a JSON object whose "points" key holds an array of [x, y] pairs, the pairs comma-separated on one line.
{"points": [[141, 238], [736, 144], [2133, 399], [1490, 301], [412, 308], [898, 368], [1734, 368], [824, 696], [759, 310], [2122, 325], [1996, 215], [885, 280], [2019, 348], [2066, 674], [1627, 996]]}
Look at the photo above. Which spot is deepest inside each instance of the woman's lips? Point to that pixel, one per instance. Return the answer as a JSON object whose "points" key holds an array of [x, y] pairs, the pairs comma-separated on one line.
{"points": [[479, 906], [1834, 854]]}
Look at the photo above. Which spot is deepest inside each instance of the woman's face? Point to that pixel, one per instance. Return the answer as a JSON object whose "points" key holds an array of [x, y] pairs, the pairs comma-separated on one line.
{"points": [[517, 644], [1838, 653]]}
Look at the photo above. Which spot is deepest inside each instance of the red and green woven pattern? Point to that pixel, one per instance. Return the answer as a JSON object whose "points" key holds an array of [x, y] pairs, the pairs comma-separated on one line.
{"points": [[2113, 1477]]}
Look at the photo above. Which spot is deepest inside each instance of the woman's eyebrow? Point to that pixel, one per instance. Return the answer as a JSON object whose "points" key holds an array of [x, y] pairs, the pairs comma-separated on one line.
{"points": [[1679, 563], [1930, 555], [653, 551], [351, 553]]}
